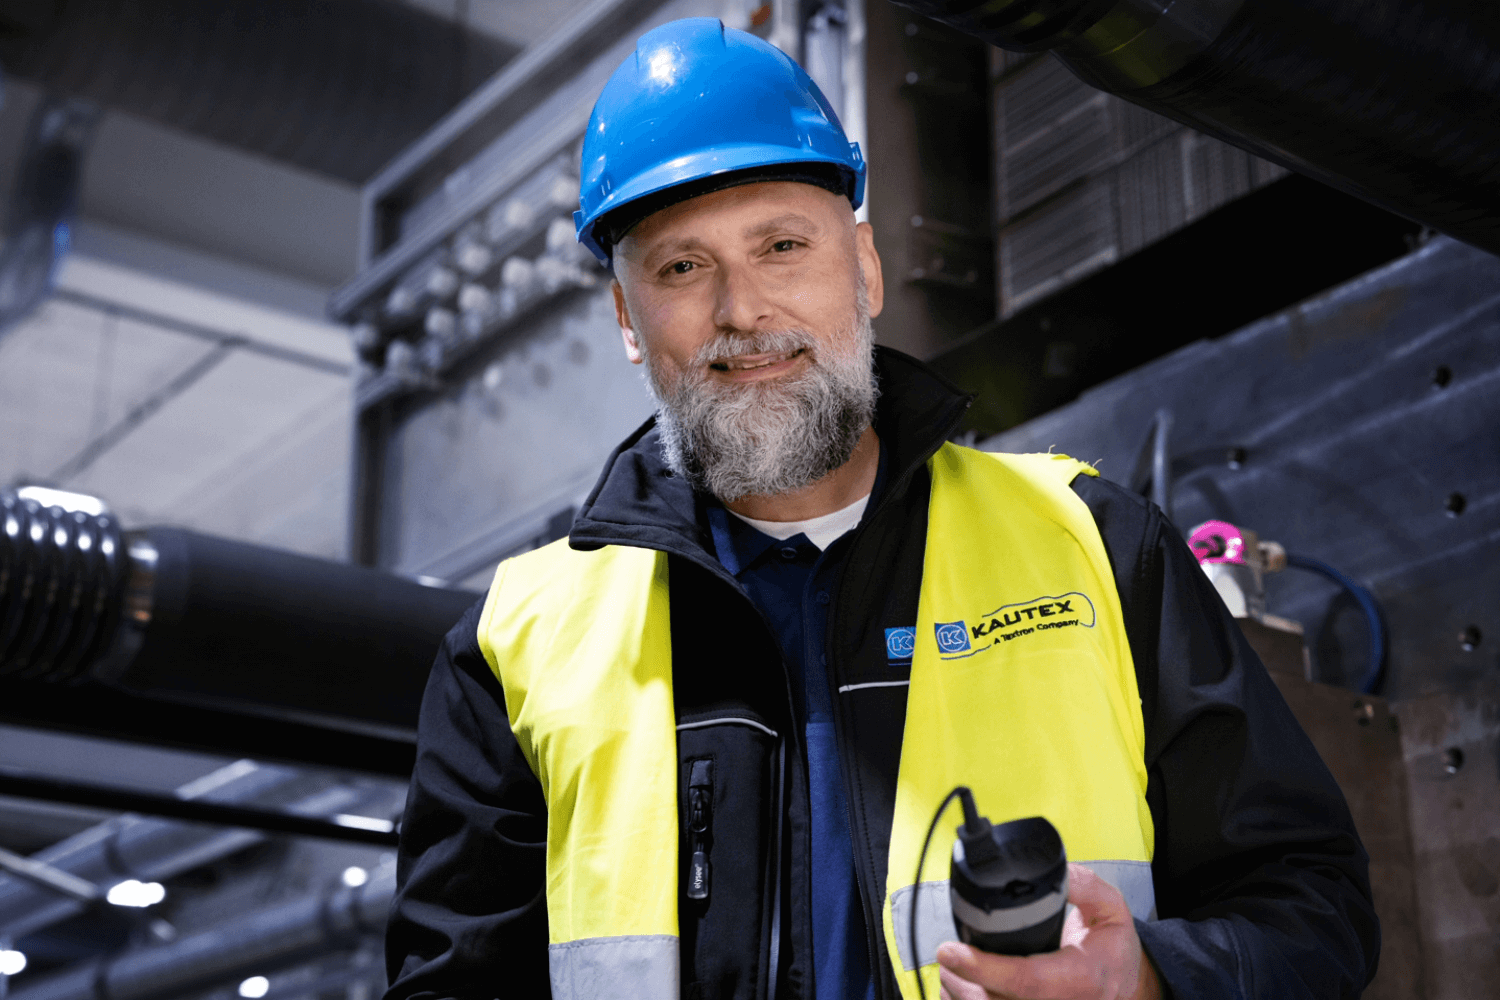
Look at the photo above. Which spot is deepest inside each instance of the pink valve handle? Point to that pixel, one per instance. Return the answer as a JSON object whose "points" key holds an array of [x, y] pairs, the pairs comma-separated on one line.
{"points": [[1217, 542]]}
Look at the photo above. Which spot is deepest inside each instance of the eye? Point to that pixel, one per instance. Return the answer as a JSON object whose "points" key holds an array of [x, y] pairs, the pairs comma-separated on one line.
{"points": [[681, 267], [784, 246]]}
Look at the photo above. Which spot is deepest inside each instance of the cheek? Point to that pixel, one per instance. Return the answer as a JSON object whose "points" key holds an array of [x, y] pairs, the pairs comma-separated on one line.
{"points": [[673, 325]]}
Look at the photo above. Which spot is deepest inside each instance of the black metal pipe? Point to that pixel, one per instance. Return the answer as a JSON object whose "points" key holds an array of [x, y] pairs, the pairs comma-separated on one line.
{"points": [[1396, 102], [178, 617], [355, 829], [240, 729], [233, 623], [60, 579]]}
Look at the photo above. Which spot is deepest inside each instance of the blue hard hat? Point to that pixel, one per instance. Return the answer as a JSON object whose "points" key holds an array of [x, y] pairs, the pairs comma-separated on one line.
{"points": [[699, 105]]}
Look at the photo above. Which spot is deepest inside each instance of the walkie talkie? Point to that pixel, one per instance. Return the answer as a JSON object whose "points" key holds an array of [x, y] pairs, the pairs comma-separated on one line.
{"points": [[1008, 884]]}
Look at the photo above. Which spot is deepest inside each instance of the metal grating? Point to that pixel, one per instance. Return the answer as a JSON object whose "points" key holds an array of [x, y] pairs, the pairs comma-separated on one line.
{"points": [[1078, 144], [1046, 251], [1151, 197], [1084, 178]]}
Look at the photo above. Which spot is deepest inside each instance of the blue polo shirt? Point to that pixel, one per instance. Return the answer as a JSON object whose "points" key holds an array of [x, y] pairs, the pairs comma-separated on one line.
{"points": [[791, 582]]}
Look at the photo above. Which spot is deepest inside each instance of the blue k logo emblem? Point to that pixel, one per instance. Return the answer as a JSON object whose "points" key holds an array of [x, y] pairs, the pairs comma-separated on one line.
{"points": [[900, 643], [952, 637]]}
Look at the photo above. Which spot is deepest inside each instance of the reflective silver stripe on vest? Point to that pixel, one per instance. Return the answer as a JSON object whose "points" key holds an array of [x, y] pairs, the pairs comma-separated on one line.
{"points": [[935, 908], [629, 967], [1133, 879]]}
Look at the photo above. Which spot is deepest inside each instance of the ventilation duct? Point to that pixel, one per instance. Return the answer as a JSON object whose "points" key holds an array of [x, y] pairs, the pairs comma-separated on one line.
{"points": [[1395, 102]]}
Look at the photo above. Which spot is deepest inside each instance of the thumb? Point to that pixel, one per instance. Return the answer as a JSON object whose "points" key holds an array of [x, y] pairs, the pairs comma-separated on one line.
{"points": [[1097, 900]]}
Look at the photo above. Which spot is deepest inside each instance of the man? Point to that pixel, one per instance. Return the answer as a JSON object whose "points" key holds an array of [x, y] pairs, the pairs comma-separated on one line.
{"points": [[693, 749]]}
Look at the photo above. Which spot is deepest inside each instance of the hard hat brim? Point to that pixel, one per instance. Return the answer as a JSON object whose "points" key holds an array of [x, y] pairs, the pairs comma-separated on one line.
{"points": [[705, 164]]}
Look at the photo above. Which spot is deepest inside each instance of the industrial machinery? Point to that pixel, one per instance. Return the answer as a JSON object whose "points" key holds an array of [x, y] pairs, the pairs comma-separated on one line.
{"points": [[180, 639], [165, 634]]}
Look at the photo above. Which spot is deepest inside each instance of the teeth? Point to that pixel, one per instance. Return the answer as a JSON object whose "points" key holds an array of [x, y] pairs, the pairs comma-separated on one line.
{"points": [[737, 365]]}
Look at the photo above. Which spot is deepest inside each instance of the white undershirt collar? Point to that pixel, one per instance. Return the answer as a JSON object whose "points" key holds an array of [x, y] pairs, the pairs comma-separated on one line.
{"points": [[821, 531]]}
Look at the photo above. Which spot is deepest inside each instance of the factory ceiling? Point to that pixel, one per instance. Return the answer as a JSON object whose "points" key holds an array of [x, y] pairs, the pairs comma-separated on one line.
{"points": [[337, 87]]}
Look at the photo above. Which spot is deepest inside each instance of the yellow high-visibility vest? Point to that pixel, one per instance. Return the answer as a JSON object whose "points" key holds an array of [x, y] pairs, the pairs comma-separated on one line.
{"points": [[1022, 687]]}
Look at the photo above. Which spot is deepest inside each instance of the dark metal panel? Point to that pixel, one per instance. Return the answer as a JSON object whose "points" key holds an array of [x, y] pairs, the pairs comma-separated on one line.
{"points": [[1350, 451], [1452, 748], [1359, 740], [929, 193]]}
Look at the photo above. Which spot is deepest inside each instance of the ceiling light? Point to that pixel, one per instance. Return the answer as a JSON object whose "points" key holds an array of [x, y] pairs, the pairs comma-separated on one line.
{"points": [[355, 876], [134, 893], [11, 962], [255, 987], [364, 823]]}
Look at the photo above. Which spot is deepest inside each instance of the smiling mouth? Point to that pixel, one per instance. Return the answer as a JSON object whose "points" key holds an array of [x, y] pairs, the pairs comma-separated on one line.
{"points": [[750, 362]]}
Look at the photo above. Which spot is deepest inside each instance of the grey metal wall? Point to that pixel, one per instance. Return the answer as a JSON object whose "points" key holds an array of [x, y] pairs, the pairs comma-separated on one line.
{"points": [[513, 441], [493, 383]]}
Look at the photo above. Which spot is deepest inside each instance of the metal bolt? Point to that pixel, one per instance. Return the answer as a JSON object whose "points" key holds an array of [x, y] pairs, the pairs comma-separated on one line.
{"points": [[1455, 504], [1453, 760], [1469, 638], [1364, 712], [1235, 457], [1441, 376]]}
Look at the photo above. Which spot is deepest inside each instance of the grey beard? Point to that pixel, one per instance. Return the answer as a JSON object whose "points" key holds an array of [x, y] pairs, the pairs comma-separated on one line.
{"points": [[766, 438]]}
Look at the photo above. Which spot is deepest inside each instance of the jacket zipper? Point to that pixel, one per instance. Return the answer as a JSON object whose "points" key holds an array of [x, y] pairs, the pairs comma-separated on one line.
{"points": [[700, 826], [772, 947], [863, 879], [773, 956]]}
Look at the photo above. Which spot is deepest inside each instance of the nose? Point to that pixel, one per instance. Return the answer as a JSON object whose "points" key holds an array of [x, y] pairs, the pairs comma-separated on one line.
{"points": [[741, 304]]}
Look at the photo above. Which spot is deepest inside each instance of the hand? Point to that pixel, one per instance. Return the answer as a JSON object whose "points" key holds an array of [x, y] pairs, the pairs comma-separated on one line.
{"points": [[1100, 956]]}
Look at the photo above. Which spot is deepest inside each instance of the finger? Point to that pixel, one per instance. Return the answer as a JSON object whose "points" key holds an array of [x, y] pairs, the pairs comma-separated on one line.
{"points": [[1095, 898], [1053, 974], [974, 965], [955, 987]]}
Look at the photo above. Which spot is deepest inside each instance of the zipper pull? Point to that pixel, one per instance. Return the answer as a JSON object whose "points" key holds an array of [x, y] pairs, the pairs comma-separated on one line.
{"points": [[698, 876], [700, 825]]}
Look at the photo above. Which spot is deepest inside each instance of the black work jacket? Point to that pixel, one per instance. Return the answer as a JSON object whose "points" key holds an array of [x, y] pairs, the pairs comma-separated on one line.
{"points": [[1262, 885]]}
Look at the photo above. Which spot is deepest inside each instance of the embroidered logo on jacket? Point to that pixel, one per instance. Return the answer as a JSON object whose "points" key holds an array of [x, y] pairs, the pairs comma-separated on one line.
{"points": [[1013, 621], [900, 643], [952, 637]]}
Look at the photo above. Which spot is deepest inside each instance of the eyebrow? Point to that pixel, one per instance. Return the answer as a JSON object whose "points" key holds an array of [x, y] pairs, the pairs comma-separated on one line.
{"points": [[791, 220], [760, 230]]}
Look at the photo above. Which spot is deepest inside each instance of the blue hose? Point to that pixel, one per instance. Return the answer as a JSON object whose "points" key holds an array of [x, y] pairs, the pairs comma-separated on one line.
{"points": [[1375, 673]]}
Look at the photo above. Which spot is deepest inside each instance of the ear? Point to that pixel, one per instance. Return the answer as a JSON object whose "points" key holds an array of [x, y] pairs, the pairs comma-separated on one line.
{"points": [[869, 263], [627, 331]]}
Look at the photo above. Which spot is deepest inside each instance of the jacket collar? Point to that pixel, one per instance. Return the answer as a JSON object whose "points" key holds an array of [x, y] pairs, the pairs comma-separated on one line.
{"points": [[638, 501]]}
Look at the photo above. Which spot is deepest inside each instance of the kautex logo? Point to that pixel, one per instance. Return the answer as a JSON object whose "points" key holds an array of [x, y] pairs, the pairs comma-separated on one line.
{"points": [[1013, 621], [900, 643]]}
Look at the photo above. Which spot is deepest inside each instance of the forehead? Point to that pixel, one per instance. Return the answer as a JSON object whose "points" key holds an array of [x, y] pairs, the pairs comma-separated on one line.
{"points": [[735, 214]]}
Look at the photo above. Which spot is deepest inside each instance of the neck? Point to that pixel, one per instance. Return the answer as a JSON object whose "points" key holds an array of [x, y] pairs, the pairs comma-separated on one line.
{"points": [[849, 482]]}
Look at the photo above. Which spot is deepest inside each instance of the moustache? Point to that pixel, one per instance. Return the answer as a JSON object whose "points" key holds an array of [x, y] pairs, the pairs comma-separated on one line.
{"points": [[727, 346]]}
